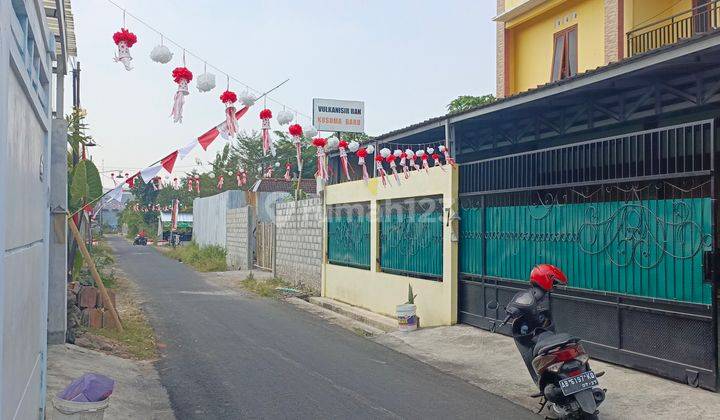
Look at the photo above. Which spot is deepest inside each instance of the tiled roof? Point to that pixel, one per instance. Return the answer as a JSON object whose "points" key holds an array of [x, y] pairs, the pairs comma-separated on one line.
{"points": [[281, 185], [547, 86]]}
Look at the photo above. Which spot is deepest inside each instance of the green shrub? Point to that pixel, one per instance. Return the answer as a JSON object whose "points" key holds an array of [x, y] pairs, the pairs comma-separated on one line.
{"points": [[208, 258]]}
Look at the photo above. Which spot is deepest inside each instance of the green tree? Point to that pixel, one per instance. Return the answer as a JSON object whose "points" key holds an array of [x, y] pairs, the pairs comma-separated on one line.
{"points": [[85, 185], [465, 102]]}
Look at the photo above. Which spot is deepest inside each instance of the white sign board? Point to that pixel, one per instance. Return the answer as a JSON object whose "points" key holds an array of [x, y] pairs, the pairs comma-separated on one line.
{"points": [[341, 116]]}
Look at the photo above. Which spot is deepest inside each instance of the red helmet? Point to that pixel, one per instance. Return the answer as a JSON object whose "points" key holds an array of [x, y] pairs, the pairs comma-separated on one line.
{"points": [[546, 276]]}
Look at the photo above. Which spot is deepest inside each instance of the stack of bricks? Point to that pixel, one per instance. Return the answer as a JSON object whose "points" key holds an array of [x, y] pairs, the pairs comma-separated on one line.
{"points": [[298, 242], [238, 255], [90, 304]]}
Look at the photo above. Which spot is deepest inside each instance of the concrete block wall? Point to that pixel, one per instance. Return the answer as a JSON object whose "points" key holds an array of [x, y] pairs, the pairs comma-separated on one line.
{"points": [[298, 242], [239, 238]]}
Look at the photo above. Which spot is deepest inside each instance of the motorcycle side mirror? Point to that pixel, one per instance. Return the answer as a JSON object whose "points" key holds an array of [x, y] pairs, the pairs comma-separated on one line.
{"points": [[493, 305]]}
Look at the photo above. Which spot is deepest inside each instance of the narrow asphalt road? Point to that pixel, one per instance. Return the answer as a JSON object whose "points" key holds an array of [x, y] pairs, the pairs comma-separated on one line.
{"points": [[232, 356]]}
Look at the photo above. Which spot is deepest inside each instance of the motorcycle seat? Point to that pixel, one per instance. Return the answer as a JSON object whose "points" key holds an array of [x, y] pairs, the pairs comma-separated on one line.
{"points": [[548, 341]]}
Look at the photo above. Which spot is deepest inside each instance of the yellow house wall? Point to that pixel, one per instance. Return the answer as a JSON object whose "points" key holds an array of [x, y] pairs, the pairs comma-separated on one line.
{"points": [[381, 292], [532, 49]]}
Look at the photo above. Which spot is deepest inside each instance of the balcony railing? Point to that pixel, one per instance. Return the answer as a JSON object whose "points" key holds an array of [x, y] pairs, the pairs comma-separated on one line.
{"points": [[698, 20]]}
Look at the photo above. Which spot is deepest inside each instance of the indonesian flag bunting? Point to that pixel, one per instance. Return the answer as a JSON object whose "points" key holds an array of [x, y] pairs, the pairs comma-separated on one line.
{"points": [[149, 174], [116, 193], [221, 129], [168, 162], [185, 150], [131, 180]]}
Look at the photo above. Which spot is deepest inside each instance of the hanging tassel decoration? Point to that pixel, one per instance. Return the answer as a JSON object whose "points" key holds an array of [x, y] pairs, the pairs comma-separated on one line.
{"points": [[380, 170], [238, 178], [197, 184], [182, 76], [446, 154], [436, 159], [266, 116], [124, 40], [411, 159], [175, 183], [342, 148], [322, 171], [393, 168], [288, 166], [221, 181], [399, 154], [112, 176], [296, 132], [190, 184], [229, 98], [424, 158]]}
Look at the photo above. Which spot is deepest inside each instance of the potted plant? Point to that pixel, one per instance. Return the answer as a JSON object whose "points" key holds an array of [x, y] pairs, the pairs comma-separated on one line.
{"points": [[406, 313]]}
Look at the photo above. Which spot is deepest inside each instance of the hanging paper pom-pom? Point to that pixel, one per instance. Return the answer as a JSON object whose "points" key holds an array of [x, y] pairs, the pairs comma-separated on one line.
{"points": [[436, 160], [161, 54], [319, 142], [411, 157], [247, 98], [403, 162], [430, 150], [285, 117], [182, 76], [229, 98], [211, 175], [266, 116], [205, 82], [296, 132], [397, 153], [333, 142], [385, 152], [353, 146], [310, 131], [287, 171], [370, 149], [124, 40]]}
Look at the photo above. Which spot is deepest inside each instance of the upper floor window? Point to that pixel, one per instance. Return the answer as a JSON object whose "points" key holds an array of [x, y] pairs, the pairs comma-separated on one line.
{"points": [[565, 54]]}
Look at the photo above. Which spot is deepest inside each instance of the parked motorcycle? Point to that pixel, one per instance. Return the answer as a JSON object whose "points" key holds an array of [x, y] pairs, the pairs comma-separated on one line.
{"points": [[557, 362], [140, 240]]}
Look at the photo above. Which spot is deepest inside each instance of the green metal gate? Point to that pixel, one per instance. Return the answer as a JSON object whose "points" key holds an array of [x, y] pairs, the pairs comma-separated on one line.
{"points": [[629, 219]]}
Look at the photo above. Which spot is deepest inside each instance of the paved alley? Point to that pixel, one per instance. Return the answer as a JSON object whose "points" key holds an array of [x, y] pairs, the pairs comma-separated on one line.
{"points": [[229, 356]]}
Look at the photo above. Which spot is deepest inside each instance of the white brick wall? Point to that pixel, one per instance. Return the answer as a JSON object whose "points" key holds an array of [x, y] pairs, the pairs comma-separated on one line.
{"points": [[298, 242]]}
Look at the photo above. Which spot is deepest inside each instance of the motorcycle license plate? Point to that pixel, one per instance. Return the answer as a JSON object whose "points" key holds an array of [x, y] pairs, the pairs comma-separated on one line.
{"points": [[578, 383]]}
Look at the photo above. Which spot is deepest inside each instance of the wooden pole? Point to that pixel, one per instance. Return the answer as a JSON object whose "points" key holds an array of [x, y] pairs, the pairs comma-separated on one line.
{"points": [[107, 303]]}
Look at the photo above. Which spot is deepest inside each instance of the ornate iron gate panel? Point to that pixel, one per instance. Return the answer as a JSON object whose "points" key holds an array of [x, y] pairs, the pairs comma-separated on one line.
{"points": [[631, 231]]}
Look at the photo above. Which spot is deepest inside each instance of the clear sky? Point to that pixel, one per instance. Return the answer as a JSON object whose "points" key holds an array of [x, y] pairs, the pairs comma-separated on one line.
{"points": [[406, 59]]}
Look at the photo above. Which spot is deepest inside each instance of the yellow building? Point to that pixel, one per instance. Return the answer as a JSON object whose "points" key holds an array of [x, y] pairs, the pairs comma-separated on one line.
{"points": [[541, 41]]}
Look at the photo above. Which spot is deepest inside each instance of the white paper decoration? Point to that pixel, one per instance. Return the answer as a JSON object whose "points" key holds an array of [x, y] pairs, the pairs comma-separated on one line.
{"points": [[206, 82], [310, 131], [277, 164], [370, 149], [353, 146], [385, 152], [430, 150], [441, 148], [420, 153], [161, 54], [247, 98], [397, 153], [409, 153], [332, 142], [212, 175], [284, 117]]}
